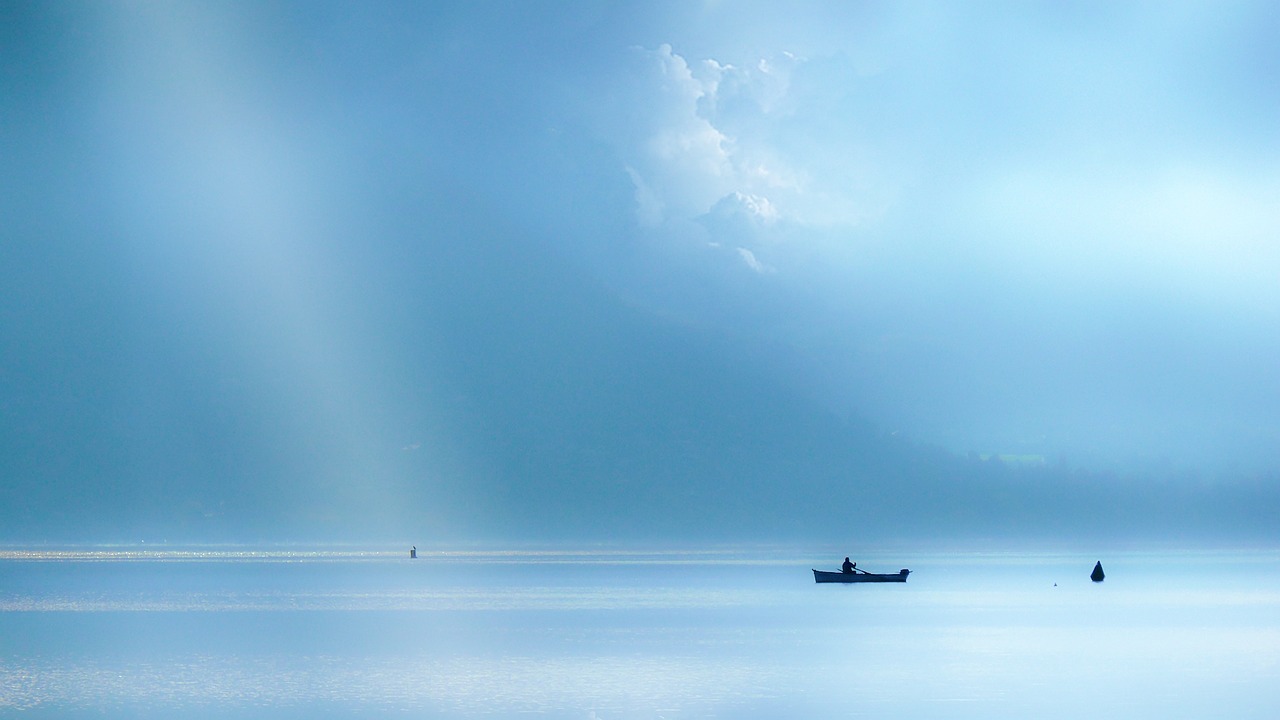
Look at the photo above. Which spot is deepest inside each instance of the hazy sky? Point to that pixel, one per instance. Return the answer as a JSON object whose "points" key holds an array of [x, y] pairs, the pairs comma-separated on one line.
{"points": [[334, 251]]}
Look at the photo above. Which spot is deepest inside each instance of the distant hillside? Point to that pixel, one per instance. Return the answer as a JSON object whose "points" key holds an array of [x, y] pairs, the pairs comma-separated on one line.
{"points": [[576, 417]]}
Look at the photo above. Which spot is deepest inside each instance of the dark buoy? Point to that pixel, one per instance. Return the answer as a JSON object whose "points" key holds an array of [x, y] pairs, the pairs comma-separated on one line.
{"points": [[413, 553], [1098, 575]]}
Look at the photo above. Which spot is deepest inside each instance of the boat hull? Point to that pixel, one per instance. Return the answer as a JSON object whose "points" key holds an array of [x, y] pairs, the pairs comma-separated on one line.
{"points": [[822, 576]]}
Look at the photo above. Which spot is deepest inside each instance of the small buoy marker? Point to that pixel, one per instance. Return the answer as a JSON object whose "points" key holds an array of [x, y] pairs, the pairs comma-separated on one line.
{"points": [[1098, 575]]}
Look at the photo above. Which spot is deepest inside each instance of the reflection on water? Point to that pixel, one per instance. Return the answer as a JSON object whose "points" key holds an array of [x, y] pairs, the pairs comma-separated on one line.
{"points": [[271, 632]]}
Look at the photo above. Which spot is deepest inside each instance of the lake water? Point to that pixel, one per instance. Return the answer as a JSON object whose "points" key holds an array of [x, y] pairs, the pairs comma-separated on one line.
{"points": [[127, 632]]}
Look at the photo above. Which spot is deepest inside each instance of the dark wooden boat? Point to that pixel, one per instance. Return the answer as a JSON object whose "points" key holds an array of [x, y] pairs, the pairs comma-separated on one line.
{"points": [[858, 576]]}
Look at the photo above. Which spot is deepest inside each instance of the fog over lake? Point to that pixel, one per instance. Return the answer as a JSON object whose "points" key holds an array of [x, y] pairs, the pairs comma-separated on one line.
{"points": [[474, 270], [650, 308]]}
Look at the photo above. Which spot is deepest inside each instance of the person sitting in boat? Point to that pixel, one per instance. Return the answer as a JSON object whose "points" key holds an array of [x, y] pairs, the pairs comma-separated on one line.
{"points": [[848, 566]]}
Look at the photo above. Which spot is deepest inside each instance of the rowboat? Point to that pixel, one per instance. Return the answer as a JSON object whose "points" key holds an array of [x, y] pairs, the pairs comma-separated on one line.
{"points": [[858, 576]]}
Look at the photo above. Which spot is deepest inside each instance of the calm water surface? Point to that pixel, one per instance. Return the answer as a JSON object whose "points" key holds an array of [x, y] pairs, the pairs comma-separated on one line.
{"points": [[729, 633]]}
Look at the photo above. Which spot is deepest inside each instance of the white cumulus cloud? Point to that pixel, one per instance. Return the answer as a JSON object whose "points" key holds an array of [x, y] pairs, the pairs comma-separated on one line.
{"points": [[697, 133], [749, 258]]}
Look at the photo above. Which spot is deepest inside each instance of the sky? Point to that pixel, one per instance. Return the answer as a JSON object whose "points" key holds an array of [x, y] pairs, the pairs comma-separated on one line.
{"points": [[404, 265]]}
